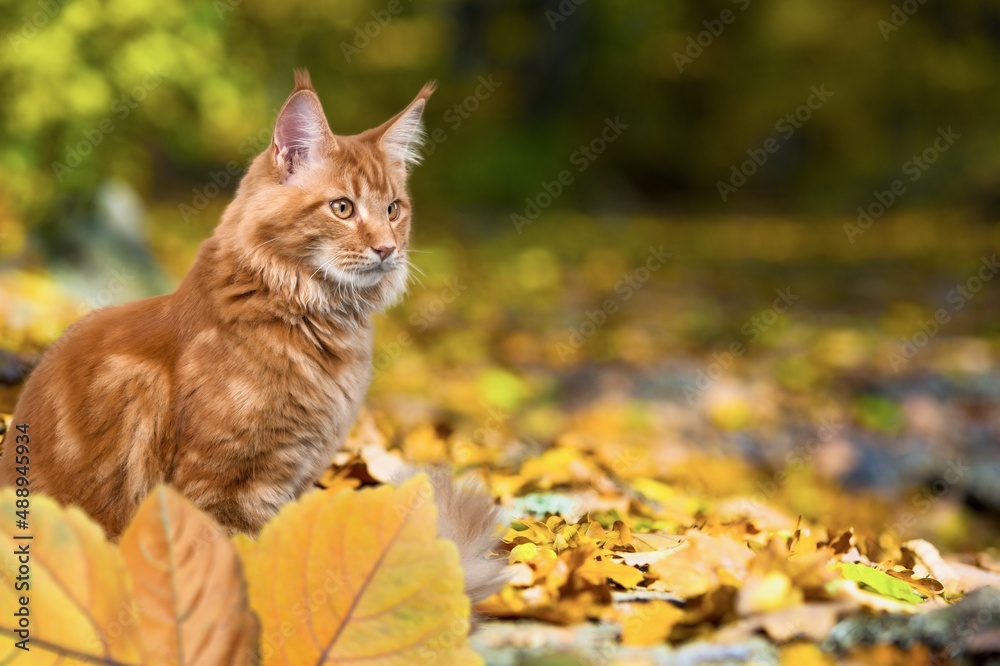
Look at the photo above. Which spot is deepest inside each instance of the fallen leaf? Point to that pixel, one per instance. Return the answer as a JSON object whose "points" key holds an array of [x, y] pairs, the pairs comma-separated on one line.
{"points": [[811, 621], [189, 588], [768, 592], [647, 623], [650, 541], [700, 565], [79, 603], [596, 571], [969, 578], [932, 565], [880, 582], [524, 552], [360, 577], [804, 654]]}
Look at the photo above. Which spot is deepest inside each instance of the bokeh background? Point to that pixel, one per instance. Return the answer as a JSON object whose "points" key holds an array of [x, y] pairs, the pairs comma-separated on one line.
{"points": [[640, 224]]}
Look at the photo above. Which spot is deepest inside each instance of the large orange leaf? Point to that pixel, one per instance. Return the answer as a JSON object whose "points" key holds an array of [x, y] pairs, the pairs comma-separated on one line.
{"points": [[80, 608], [360, 577], [189, 587]]}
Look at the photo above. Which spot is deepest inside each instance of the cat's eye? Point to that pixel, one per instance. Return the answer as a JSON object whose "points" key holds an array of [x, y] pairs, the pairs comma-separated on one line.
{"points": [[393, 211], [342, 208]]}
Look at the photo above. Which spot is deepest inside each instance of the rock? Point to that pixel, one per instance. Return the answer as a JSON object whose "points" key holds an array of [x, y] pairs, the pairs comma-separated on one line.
{"points": [[969, 628]]}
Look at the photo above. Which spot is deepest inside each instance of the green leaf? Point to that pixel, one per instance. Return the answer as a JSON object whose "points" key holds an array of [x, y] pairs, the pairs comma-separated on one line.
{"points": [[880, 582]]}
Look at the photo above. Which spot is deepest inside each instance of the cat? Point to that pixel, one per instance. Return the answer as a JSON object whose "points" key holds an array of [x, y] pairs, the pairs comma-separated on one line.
{"points": [[238, 388]]}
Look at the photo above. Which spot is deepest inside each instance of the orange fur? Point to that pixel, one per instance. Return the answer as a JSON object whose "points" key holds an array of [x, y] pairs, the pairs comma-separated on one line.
{"points": [[237, 388]]}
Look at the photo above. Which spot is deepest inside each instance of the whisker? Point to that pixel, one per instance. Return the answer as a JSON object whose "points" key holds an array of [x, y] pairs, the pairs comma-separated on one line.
{"points": [[415, 267], [322, 267], [414, 276], [265, 243]]}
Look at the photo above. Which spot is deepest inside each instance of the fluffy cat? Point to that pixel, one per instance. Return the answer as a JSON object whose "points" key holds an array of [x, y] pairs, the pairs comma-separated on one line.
{"points": [[237, 388]]}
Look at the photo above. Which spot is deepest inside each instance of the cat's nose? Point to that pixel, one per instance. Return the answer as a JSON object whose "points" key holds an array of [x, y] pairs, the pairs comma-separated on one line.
{"points": [[383, 251]]}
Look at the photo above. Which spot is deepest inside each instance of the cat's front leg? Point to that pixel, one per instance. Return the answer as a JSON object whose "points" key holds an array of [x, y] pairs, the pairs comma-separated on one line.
{"points": [[244, 508], [236, 516]]}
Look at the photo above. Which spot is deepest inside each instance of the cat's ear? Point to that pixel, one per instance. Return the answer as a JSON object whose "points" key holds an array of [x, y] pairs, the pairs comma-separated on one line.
{"points": [[402, 135], [301, 130]]}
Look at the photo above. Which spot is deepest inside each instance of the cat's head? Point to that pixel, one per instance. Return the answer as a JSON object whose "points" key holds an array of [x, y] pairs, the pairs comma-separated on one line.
{"points": [[328, 213]]}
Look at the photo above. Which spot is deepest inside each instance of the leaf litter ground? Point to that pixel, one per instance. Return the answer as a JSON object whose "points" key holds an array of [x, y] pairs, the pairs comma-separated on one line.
{"points": [[668, 500]]}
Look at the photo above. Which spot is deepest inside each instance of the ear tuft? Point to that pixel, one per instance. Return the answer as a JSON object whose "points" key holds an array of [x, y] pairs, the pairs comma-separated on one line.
{"points": [[301, 130], [303, 81], [403, 135], [427, 90]]}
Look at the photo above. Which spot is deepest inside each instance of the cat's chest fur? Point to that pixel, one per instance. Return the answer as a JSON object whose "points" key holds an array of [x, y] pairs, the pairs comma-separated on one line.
{"points": [[267, 405]]}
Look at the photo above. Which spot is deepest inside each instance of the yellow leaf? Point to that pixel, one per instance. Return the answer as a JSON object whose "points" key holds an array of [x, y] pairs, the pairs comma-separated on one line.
{"points": [[360, 577], [652, 541], [189, 588], [596, 571], [79, 604], [804, 654], [523, 553], [654, 490], [702, 563], [334, 480], [558, 466], [768, 592], [647, 623], [424, 446]]}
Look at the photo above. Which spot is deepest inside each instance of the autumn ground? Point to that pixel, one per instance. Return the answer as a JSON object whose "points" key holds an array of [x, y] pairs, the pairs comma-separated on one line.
{"points": [[715, 441]]}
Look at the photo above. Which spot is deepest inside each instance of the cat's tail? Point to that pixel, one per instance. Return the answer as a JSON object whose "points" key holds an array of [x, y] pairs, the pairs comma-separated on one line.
{"points": [[469, 518]]}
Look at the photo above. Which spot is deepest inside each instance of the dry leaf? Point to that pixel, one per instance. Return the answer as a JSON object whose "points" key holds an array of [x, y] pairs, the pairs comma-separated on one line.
{"points": [[700, 565], [596, 571], [360, 577], [79, 602], [812, 621], [969, 578], [764, 593], [647, 623], [804, 654], [808, 621], [931, 564], [189, 588]]}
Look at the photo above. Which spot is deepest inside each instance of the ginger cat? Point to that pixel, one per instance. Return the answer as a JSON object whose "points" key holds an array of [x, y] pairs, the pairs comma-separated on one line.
{"points": [[238, 388]]}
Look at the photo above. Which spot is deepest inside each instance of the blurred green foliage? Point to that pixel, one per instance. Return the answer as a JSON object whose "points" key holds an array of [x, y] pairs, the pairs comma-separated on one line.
{"points": [[166, 94]]}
